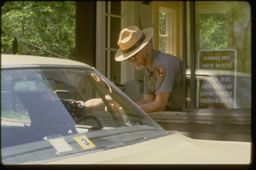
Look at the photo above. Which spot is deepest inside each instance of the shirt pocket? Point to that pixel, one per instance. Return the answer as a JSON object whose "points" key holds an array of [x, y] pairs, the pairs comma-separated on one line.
{"points": [[158, 80], [151, 85]]}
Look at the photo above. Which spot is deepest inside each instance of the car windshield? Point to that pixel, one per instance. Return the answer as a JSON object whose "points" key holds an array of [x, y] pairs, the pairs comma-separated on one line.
{"points": [[50, 113]]}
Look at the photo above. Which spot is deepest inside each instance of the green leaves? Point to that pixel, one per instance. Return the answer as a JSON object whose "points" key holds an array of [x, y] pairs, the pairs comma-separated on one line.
{"points": [[49, 25], [214, 31]]}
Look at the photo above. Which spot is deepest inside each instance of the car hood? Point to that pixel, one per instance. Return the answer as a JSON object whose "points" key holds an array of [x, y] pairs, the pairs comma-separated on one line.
{"points": [[171, 149]]}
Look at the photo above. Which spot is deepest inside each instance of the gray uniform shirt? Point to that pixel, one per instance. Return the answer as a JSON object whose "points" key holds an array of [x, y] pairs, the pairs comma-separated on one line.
{"points": [[165, 76]]}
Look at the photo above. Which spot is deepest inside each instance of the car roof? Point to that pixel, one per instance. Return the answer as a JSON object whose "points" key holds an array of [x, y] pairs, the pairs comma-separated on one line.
{"points": [[211, 72], [8, 60]]}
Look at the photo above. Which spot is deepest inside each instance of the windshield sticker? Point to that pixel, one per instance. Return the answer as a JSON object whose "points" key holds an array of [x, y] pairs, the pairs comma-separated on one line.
{"points": [[59, 144], [84, 142]]}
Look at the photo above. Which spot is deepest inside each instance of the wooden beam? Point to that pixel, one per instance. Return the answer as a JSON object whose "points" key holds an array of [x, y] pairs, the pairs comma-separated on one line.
{"points": [[86, 32]]}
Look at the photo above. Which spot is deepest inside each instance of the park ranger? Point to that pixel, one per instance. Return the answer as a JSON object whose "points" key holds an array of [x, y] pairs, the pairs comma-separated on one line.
{"points": [[163, 89]]}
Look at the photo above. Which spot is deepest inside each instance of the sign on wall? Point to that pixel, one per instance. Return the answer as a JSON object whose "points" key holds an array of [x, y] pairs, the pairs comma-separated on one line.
{"points": [[216, 87]]}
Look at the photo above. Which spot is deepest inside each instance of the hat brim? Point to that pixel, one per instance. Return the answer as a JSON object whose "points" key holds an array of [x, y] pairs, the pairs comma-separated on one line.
{"points": [[121, 56]]}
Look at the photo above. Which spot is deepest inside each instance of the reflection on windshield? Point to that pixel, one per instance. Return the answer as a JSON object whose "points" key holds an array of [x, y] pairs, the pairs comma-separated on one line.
{"points": [[45, 103]]}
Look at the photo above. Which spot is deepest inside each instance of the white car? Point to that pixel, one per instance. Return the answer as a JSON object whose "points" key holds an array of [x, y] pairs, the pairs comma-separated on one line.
{"points": [[59, 111], [221, 89]]}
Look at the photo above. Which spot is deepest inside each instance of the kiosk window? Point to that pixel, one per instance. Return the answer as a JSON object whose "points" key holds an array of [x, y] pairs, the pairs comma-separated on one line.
{"points": [[222, 56]]}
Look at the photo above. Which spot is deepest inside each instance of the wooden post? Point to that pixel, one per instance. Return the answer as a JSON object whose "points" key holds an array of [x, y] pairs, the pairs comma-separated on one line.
{"points": [[86, 32]]}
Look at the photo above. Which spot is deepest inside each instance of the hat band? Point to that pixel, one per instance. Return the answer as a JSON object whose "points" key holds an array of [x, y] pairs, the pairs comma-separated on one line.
{"points": [[135, 45]]}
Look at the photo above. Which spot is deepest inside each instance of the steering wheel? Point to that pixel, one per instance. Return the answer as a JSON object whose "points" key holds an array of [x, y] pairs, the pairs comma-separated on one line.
{"points": [[79, 114], [89, 120]]}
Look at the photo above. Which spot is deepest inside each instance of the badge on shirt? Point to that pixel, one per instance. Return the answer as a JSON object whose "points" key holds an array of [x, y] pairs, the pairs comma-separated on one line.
{"points": [[159, 75], [160, 70]]}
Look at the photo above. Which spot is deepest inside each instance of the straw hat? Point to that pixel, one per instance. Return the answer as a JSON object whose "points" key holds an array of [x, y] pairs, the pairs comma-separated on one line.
{"points": [[131, 41]]}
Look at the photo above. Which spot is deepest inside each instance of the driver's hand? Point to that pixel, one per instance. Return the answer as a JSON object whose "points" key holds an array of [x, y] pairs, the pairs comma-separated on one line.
{"points": [[80, 104], [112, 105]]}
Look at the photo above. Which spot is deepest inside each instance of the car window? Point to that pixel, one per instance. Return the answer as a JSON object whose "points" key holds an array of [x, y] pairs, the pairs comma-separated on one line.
{"points": [[11, 106]]}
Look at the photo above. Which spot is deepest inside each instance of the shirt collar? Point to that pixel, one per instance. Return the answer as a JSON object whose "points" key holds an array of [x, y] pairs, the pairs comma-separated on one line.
{"points": [[155, 53]]}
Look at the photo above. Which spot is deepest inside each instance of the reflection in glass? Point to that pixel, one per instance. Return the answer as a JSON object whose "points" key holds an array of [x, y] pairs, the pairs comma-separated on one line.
{"points": [[163, 43], [214, 31], [223, 56]]}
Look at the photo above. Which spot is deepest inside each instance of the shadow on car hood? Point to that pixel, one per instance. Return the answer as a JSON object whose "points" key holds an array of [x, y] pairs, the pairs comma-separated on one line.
{"points": [[171, 149]]}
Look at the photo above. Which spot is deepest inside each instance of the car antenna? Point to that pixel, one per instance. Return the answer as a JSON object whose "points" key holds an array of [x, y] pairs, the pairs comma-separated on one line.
{"points": [[15, 47]]}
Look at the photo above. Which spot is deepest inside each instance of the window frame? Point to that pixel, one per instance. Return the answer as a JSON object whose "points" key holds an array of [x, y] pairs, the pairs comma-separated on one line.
{"points": [[171, 29], [108, 48], [103, 37]]}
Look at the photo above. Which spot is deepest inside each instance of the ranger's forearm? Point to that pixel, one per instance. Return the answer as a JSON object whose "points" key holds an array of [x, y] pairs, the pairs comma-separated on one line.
{"points": [[140, 102], [152, 107]]}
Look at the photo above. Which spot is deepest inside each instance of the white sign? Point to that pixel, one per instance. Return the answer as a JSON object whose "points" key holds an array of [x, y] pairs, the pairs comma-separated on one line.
{"points": [[221, 65]]}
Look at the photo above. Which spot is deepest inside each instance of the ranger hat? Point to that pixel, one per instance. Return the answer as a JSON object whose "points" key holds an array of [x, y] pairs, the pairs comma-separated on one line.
{"points": [[131, 41]]}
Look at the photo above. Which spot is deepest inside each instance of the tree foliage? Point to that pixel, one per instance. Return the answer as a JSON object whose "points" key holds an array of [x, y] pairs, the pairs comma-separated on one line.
{"points": [[48, 25], [214, 31], [163, 27], [222, 31]]}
